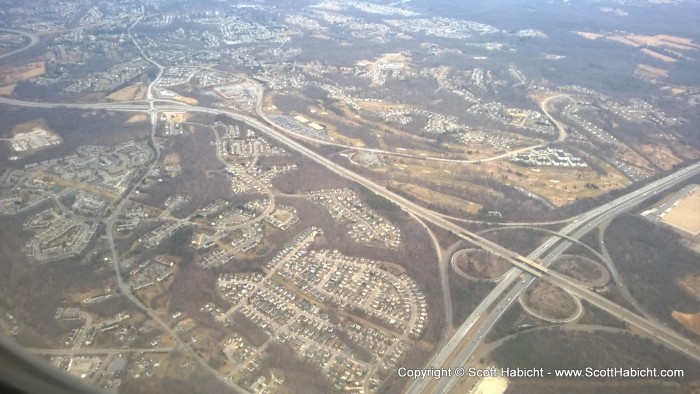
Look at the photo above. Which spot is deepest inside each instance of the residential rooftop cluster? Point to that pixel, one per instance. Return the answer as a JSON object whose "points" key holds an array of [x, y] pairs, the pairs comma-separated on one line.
{"points": [[245, 144], [161, 233], [217, 254], [443, 27], [285, 301], [57, 237], [498, 141], [149, 272], [366, 226]]}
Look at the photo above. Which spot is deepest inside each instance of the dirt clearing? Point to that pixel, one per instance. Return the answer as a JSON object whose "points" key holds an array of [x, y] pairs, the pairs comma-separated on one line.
{"points": [[685, 215]]}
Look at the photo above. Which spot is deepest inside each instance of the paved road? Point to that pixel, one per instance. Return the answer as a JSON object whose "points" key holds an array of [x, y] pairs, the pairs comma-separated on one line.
{"points": [[261, 114], [586, 221], [33, 40], [545, 108], [576, 230], [590, 219], [84, 352], [525, 264]]}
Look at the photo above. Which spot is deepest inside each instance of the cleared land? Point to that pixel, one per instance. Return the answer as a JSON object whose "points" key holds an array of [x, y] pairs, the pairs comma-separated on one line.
{"points": [[685, 215], [186, 100], [11, 75], [491, 385], [670, 44], [137, 119], [690, 321], [7, 90], [649, 72], [134, 92], [657, 55], [562, 186], [440, 199]]}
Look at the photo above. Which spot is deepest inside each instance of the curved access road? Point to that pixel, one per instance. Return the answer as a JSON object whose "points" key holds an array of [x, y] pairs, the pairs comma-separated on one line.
{"points": [[33, 40], [560, 126]]}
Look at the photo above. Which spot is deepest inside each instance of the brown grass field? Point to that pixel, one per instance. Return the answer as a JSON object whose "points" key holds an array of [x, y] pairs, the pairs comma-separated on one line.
{"points": [[133, 92], [663, 58], [11, 75], [650, 72], [429, 196], [691, 321], [137, 119], [7, 90], [686, 215], [187, 100]]}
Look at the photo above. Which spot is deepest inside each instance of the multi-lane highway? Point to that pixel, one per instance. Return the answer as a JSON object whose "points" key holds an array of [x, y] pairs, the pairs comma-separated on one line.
{"points": [[583, 224], [459, 348], [512, 289], [580, 227]]}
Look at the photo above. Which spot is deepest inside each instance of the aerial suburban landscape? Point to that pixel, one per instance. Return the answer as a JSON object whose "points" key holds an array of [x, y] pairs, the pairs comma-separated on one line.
{"points": [[328, 196]]}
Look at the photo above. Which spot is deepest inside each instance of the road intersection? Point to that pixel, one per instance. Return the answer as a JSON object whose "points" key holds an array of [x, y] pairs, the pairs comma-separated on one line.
{"points": [[577, 229]]}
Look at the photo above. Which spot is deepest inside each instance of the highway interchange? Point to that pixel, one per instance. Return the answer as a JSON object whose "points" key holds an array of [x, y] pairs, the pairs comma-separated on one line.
{"points": [[460, 347], [582, 225]]}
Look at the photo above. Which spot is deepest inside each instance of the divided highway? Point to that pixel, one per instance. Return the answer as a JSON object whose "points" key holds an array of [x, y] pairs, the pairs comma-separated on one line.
{"points": [[576, 230], [589, 220]]}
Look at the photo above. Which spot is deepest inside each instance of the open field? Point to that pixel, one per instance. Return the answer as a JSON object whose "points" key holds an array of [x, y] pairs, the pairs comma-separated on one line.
{"points": [[560, 186], [680, 89], [640, 40], [380, 105], [336, 123], [11, 75], [646, 71], [187, 100], [633, 158], [437, 176], [589, 36], [691, 321], [657, 55], [685, 215], [491, 385], [137, 119], [670, 44], [7, 89], [30, 126], [134, 92], [440, 199]]}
